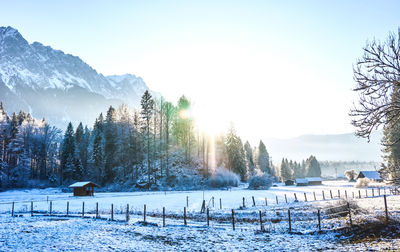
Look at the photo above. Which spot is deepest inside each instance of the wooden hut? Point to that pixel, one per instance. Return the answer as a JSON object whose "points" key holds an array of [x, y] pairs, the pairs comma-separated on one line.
{"points": [[85, 188], [371, 175], [301, 182], [314, 180], [289, 182]]}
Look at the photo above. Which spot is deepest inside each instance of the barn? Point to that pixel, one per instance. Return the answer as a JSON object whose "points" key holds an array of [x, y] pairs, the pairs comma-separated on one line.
{"points": [[301, 182], [85, 188], [371, 175], [314, 180], [289, 182]]}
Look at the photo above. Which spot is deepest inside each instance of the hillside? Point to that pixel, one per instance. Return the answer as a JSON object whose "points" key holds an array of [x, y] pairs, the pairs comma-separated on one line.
{"points": [[58, 86]]}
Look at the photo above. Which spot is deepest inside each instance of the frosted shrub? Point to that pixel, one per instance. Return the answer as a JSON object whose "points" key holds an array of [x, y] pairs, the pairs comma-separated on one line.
{"points": [[260, 182], [224, 178], [362, 182], [351, 175]]}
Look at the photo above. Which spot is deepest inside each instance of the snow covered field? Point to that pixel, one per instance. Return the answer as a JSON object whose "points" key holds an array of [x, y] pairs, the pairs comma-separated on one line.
{"points": [[73, 233]]}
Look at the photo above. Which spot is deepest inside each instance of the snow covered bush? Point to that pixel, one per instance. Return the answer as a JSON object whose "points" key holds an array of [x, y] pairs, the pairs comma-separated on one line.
{"points": [[351, 175], [224, 178], [260, 182], [362, 182]]}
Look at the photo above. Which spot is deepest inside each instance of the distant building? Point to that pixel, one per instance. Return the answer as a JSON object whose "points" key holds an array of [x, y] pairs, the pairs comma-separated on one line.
{"points": [[314, 180], [371, 175], [289, 182], [301, 182], [308, 181], [84, 188]]}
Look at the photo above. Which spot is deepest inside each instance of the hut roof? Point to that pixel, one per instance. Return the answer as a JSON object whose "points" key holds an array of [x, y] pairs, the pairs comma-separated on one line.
{"points": [[314, 179], [82, 184], [301, 181], [370, 175]]}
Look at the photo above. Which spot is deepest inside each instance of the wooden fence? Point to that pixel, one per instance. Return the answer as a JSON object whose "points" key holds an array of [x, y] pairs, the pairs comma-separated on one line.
{"points": [[272, 218]]}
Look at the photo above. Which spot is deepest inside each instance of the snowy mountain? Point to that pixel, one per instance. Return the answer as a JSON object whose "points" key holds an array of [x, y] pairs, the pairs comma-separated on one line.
{"points": [[60, 87], [343, 147]]}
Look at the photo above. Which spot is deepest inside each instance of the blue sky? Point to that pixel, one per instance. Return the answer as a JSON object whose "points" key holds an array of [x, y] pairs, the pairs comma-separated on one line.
{"points": [[274, 68]]}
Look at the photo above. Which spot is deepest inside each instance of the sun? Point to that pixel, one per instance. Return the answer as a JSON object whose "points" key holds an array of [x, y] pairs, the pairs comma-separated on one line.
{"points": [[211, 122]]}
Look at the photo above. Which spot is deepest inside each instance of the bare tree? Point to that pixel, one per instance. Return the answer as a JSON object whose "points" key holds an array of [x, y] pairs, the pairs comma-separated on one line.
{"points": [[377, 75]]}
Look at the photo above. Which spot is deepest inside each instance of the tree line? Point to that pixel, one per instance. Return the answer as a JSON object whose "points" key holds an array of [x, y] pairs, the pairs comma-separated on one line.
{"points": [[136, 146], [29, 150], [289, 170]]}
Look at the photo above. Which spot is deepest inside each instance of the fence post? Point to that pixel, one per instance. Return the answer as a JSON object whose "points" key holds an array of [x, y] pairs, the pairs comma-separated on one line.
{"points": [[290, 221], [323, 195], [359, 194], [184, 215], [112, 212], [233, 219], [127, 213], [144, 213], [244, 204], [285, 198], [366, 193], [208, 217], [254, 202], [266, 201], [386, 209], [373, 192], [277, 200], [31, 208], [345, 193], [379, 191], [51, 206], [187, 201], [295, 197], [220, 203], [319, 219], [330, 191], [315, 197], [163, 216], [67, 208], [97, 209], [305, 197], [338, 191], [261, 223], [83, 209], [212, 199], [203, 207], [351, 221], [12, 209]]}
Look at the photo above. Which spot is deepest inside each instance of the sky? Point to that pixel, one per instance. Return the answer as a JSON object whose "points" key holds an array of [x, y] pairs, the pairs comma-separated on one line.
{"points": [[274, 68]]}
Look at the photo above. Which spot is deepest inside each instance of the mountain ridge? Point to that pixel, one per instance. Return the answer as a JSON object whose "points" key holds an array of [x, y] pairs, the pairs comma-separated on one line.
{"points": [[340, 147], [59, 86]]}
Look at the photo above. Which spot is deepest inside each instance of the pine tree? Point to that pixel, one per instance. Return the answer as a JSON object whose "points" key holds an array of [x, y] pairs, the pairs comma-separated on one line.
{"points": [[313, 168], [110, 139], [236, 154], [68, 154], [263, 158], [391, 144], [98, 148], [146, 114], [80, 149], [169, 111], [249, 159], [285, 172]]}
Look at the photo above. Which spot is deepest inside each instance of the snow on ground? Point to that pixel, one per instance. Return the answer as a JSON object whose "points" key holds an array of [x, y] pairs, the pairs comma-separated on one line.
{"points": [[41, 232], [172, 200]]}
